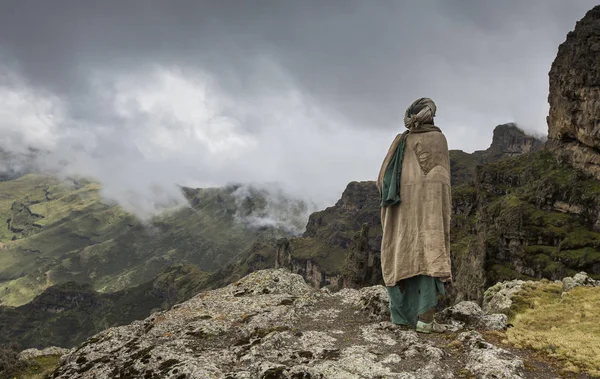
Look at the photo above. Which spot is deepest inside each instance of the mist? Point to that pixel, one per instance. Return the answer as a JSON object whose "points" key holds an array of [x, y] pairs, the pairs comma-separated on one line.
{"points": [[145, 97]]}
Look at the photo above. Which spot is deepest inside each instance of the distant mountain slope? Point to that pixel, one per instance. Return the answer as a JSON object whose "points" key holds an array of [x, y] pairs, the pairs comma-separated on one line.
{"points": [[57, 233], [68, 313]]}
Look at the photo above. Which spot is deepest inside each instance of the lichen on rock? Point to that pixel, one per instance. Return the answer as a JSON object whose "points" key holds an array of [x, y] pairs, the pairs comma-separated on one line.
{"points": [[271, 324]]}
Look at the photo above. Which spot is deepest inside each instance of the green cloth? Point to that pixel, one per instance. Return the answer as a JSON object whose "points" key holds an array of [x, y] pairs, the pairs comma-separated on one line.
{"points": [[412, 297], [390, 193], [390, 188]]}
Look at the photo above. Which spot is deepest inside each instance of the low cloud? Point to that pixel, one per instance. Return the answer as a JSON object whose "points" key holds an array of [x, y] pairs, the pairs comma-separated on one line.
{"points": [[146, 96]]}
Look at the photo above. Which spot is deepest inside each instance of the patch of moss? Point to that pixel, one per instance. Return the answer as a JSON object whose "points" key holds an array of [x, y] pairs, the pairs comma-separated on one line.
{"points": [[540, 249], [580, 238], [579, 258], [565, 328], [500, 272], [39, 368]]}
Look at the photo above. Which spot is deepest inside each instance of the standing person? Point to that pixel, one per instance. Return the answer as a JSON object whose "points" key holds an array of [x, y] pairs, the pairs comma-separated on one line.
{"points": [[414, 184]]}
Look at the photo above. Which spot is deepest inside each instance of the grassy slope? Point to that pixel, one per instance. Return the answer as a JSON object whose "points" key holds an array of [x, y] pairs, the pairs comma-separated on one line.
{"points": [[464, 166], [79, 238], [66, 314], [39, 368], [564, 328]]}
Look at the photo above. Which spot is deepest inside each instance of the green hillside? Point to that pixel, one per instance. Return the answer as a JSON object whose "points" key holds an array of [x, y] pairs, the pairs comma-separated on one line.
{"points": [[58, 232]]}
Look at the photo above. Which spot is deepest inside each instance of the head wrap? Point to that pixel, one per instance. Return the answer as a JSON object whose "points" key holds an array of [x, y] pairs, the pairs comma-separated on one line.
{"points": [[422, 111]]}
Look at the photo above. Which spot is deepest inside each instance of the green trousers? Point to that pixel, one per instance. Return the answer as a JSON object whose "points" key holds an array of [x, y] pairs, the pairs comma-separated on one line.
{"points": [[412, 297]]}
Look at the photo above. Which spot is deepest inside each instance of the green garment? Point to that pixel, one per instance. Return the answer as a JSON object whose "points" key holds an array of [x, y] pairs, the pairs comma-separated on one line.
{"points": [[390, 193], [412, 297], [390, 188]]}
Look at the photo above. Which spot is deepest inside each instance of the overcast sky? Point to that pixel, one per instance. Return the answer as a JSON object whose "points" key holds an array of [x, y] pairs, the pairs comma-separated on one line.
{"points": [[143, 95]]}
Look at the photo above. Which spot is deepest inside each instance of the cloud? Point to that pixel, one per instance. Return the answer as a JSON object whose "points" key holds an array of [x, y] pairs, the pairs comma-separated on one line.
{"points": [[146, 95], [268, 205]]}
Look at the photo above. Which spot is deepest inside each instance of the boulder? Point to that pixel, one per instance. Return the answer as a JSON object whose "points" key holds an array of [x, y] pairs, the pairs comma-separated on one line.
{"points": [[487, 361], [498, 298], [579, 280], [471, 315]]}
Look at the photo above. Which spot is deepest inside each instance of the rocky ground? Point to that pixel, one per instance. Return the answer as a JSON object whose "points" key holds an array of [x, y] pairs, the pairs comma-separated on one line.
{"points": [[271, 324]]}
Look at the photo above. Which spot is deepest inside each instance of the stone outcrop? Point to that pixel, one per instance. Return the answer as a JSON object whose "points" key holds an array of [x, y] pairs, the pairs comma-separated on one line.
{"points": [[22, 221], [283, 253], [499, 298], [487, 361], [579, 280], [36, 353], [468, 313], [574, 119], [359, 261], [271, 324], [510, 141]]}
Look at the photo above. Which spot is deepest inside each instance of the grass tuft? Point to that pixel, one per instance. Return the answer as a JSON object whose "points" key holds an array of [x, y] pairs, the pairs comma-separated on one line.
{"points": [[563, 327]]}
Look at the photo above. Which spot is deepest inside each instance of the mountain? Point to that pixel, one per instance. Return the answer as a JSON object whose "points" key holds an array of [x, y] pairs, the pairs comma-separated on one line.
{"points": [[508, 141], [58, 232]]}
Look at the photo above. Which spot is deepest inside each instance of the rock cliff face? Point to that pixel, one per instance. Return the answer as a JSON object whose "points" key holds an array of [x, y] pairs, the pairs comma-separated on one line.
{"points": [[510, 141], [271, 324], [321, 254], [574, 119], [525, 219]]}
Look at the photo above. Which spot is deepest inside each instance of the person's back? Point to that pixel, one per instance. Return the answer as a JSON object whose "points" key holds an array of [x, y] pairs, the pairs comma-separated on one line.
{"points": [[414, 184]]}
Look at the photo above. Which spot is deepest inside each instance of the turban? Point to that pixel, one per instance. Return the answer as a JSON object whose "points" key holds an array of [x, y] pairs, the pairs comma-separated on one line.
{"points": [[422, 111]]}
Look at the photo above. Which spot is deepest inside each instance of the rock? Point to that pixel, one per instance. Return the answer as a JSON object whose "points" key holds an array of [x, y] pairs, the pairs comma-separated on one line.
{"points": [[510, 141], [496, 321], [498, 298], [487, 361], [575, 94], [271, 324], [470, 314], [579, 280], [35, 353], [574, 79], [375, 301]]}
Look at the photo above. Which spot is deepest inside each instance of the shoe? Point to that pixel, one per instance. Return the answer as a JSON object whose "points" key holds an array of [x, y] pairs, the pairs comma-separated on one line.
{"points": [[432, 327]]}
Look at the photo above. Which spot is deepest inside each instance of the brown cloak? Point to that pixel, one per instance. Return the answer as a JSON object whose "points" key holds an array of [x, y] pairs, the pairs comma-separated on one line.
{"points": [[416, 233]]}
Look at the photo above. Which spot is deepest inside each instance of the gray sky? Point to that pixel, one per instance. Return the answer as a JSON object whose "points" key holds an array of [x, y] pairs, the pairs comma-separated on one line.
{"points": [[146, 94]]}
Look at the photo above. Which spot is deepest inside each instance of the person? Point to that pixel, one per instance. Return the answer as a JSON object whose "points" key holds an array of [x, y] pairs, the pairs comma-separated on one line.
{"points": [[414, 184]]}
